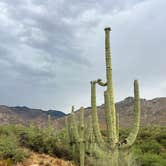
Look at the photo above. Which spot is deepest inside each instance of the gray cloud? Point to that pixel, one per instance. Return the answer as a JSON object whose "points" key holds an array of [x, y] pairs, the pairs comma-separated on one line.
{"points": [[50, 50]]}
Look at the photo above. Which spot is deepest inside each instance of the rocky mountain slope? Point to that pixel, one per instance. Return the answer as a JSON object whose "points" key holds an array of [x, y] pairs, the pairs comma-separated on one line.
{"points": [[153, 112], [24, 115]]}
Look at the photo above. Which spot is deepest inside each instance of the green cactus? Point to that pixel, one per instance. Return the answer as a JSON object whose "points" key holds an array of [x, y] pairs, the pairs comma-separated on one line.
{"points": [[68, 136], [112, 117], [82, 141], [75, 136], [95, 123], [133, 134], [95, 143], [49, 126], [89, 137]]}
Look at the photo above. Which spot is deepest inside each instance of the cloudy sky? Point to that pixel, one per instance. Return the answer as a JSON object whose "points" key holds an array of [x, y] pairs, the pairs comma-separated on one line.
{"points": [[50, 50]]}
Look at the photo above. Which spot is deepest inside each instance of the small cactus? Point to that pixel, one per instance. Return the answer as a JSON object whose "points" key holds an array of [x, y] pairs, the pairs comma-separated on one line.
{"points": [[76, 137]]}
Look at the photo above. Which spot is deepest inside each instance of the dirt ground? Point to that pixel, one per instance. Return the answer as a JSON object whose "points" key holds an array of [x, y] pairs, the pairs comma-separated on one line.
{"points": [[36, 159]]}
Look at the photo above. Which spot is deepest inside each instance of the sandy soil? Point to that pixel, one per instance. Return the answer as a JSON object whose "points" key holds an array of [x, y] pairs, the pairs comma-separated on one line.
{"points": [[36, 159]]}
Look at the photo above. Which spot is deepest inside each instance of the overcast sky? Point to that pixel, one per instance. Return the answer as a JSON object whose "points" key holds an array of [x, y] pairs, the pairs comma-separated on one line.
{"points": [[50, 50]]}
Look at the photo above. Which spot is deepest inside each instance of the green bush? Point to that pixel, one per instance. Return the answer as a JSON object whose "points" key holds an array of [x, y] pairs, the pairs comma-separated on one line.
{"points": [[150, 159], [151, 146], [42, 141], [9, 149]]}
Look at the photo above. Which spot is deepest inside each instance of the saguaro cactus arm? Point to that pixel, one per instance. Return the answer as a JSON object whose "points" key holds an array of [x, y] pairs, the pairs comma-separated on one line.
{"points": [[101, 83], [90, 136], [137, 111], [68, 136], [77, 139], [50, 129], [74, 126], [95, 122]]}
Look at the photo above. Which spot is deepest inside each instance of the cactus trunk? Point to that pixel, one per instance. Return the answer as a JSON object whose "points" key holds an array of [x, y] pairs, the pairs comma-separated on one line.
{"points": [[108, 116], [110, 91]]}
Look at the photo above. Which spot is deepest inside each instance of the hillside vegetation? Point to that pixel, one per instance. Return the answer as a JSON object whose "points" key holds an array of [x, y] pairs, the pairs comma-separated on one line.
{"points": [[17, 142]]}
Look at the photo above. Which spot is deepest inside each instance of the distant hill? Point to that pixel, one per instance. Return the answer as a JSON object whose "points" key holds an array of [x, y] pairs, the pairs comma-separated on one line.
{"points": [[153, 112], [24, 115]]}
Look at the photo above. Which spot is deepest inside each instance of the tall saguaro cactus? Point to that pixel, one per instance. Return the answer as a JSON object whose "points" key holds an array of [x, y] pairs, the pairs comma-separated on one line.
{"points": [[95, 143], [112, 117], [110, 92]]}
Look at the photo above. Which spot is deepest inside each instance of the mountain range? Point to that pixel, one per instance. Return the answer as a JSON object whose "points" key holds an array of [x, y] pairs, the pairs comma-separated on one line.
{"points": [[25, 115], [153, 112]]}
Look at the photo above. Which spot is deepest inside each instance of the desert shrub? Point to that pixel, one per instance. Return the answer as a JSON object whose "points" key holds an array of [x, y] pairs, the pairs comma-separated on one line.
{"points": [[32, 139], [6, 130], [150, 159], [42, 141], [161, 138], [151, 146], [9, 149]]}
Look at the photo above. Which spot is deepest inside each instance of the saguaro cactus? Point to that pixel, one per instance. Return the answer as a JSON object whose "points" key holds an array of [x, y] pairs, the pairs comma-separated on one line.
{"points": [[105, 148], [112, 117], [75, 136], [49, 126]]}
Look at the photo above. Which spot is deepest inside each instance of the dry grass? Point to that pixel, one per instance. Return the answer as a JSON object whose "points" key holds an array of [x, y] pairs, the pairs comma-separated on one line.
{"points": [[37, 159]]}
